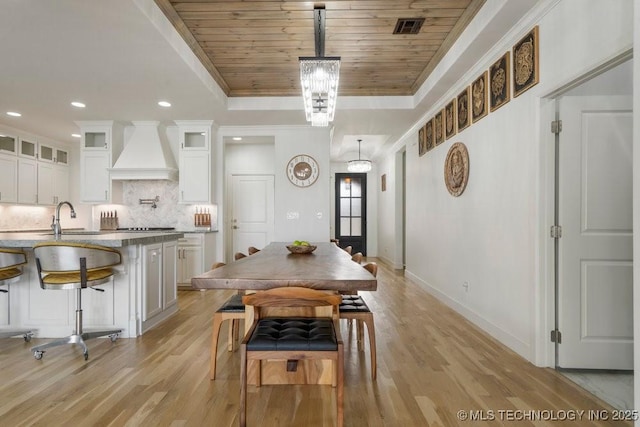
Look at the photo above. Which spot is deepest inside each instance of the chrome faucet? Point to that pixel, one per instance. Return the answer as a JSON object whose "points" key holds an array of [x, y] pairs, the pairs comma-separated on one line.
{"points": [[55, 221]]}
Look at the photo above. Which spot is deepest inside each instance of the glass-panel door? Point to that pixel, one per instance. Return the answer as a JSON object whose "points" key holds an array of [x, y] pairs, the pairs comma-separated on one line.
{"points": [[351, 211]]}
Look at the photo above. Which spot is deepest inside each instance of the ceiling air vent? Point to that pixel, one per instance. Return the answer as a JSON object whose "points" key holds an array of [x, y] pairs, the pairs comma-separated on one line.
{"points": [[408, 26]]}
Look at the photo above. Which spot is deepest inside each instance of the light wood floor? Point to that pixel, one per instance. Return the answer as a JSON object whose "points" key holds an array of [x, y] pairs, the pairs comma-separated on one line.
{"points": [[431, 364]]}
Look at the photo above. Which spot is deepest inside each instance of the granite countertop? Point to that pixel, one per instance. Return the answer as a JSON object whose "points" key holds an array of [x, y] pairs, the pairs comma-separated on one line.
{"points": [[21, 239]]}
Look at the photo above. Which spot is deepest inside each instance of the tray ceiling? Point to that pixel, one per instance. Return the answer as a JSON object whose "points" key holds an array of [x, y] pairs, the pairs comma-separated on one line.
{"points": [[251, 48]]}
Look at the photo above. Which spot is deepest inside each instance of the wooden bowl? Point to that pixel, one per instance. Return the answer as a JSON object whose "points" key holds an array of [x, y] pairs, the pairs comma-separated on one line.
{"points": [[301, 249]]}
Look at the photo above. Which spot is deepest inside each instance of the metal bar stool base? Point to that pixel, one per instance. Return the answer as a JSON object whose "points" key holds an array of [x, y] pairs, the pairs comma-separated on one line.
{"points": [[26, 334], [38, 351]]}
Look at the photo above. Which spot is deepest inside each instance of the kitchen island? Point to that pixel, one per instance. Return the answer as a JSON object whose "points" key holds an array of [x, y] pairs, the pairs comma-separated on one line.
{"points": [[142, 294]]}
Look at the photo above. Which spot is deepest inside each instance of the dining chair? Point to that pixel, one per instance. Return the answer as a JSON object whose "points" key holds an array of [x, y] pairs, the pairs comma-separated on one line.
{"points": [[287, 336], [353, 307], [11, 262], [253, 250], [239, 255], [75, 266], [348, 249], [357, 257], [233, 309]]}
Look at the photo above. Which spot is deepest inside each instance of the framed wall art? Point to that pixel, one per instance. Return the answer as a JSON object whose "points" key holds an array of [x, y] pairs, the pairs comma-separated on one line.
{"points": [[479, 98], [429, 135], [450, 119], [462, 101], [499, 83], [456, 169], [438, 127], [525, 63], [422, 142]]}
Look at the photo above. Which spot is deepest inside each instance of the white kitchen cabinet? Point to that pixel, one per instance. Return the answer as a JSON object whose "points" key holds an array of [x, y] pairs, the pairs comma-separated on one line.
{"points": [[8, 178], [159, 283], [28, 148], [195, 154], [8, 144], [53, 183], [46, 153], [101, 144], [61, 183], [27, 180], [195, 256], [169, 271], [152, 280]]}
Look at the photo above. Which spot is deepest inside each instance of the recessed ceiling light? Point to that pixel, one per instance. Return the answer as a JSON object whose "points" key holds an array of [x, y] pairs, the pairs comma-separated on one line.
{"points": [[14, 114], [78, 104], [76, 135], [237, 138], [164, 104]]}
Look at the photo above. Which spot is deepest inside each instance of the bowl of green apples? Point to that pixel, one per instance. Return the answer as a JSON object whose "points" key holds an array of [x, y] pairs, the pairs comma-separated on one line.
{"points": [[301, 247]]}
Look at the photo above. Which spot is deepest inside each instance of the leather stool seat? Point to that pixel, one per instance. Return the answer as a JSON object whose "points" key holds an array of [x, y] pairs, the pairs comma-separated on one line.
{"points": [[283, 334]]}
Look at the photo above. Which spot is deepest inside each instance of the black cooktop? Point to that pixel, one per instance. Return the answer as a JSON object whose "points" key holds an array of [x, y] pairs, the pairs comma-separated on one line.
{"points": [[147, 229]]}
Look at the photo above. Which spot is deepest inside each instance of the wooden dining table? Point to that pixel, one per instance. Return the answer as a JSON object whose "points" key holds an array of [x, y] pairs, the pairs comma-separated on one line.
{"points": [[328, 268]]}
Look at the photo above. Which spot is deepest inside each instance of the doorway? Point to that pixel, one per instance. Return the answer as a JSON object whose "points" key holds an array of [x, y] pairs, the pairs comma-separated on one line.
{"points": [[351, 211], [252, 212], [593, 246]]}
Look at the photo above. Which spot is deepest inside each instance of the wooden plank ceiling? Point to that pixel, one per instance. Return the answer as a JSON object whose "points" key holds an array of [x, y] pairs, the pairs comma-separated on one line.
{"points": [[251, 48]]}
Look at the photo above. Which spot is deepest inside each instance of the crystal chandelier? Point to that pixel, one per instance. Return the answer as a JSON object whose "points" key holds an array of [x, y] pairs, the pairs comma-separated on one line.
{"points": [[360, 165], [319, 77]]}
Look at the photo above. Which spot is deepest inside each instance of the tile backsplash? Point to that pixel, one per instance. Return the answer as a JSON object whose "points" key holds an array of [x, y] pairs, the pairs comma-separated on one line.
{"points": [[18, 217], [167, 213]]}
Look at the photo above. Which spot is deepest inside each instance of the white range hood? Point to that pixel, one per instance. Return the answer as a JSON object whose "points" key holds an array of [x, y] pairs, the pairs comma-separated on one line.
{"points": [[145, 156]]}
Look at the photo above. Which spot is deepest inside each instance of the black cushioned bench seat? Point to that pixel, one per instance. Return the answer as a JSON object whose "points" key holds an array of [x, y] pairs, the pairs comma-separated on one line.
{"points": [[290, 333], [353, 304]]}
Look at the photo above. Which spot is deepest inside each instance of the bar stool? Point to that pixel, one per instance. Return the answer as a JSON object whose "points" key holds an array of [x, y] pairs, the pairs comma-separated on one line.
{"points": [[253, 250], [233, 309], [67, 265], [11, 262]]}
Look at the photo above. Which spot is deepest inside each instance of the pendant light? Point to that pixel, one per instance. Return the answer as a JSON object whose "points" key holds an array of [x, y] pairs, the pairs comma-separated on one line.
{"points": [[360, 165], [319, 76]]}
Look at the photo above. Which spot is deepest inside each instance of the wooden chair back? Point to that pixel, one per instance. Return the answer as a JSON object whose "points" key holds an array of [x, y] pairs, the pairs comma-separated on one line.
{"points": [[372, 268], [239, 255], [357, 257]]}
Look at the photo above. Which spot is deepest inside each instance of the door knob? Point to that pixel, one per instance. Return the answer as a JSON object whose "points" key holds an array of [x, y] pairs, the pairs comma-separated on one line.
{"points": [[235, 227]]}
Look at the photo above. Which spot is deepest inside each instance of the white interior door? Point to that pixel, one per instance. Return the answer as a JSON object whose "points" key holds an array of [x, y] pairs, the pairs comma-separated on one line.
{"points": [[595, 289], [252, 216]]}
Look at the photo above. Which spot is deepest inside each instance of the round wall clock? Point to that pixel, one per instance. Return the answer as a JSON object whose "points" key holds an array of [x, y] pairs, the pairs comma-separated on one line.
{"points": [[302, 170]]}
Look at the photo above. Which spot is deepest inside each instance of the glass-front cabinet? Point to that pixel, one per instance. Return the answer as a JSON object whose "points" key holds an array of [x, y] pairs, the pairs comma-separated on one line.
{"points": [[8, 144], [195, 161], [28, 148], [96, 139]]}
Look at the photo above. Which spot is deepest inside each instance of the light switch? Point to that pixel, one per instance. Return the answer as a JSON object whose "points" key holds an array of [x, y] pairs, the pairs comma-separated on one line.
{"points": [[293, 215], [319, 215]]}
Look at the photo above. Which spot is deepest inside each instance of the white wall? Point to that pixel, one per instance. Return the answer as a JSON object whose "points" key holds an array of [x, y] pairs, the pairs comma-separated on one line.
{"points": [[312, 204], [489, 237]]}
